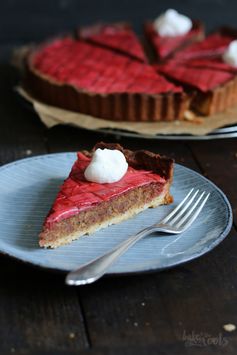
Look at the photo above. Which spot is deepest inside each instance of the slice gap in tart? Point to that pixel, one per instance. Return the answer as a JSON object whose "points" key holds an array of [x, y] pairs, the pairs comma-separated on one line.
{"points": [[116, 36], [83, 207]]}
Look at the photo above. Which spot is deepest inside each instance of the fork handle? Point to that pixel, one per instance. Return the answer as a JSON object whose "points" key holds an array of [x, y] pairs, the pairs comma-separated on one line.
{"points": [[96, 268]]}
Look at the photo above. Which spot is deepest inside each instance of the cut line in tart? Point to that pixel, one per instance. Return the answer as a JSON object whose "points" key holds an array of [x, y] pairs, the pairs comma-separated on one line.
{"points": [[116, 36], [214, 63], [85, 78], [82, 207]]}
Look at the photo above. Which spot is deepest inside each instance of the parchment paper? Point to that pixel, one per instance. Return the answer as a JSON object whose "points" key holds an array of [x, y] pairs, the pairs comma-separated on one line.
{"points": [[52, 116]]}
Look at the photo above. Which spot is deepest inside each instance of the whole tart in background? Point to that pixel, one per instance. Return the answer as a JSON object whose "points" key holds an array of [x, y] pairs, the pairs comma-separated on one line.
{"points": [[104, 72]]}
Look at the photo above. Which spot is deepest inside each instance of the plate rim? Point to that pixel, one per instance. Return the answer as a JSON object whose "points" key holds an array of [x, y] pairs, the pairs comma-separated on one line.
{"points": [[194, 256], [215, 134]]}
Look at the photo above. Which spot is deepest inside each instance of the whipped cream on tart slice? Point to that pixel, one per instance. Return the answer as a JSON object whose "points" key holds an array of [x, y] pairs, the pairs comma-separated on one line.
{"points": [[230, 54], [106, 166], [83, 206], [172, 24]]}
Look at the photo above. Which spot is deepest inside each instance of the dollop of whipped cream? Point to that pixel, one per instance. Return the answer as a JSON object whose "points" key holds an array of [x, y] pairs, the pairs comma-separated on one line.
{"points": [[172, 24], [230, 55], [106, 166]]}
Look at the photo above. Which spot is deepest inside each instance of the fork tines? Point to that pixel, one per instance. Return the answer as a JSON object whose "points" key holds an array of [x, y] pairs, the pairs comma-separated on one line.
{"points": [[188, 210]]}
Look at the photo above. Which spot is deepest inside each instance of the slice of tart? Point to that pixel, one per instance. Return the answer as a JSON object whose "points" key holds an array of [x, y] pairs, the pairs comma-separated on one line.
{"points": [[117, 36], [211, 90], [82, 207], [85, 78], [165, 47]]}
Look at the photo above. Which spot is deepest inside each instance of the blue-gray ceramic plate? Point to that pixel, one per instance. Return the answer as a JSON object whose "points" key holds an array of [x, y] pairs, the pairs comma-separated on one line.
{"points": [[28, 188]]}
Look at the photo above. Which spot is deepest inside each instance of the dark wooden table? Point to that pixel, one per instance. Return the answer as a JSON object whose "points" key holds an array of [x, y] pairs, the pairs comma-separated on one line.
{"points": [[144, 314]]}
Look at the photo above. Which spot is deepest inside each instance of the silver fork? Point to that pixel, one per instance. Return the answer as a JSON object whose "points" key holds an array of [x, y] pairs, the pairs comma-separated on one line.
{"points": [[176, 222]]}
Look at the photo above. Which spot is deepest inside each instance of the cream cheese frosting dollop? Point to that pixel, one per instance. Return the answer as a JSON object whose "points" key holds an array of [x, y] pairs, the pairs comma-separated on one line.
{"points": [[172, 24], [230, 55], [106, 166]]}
